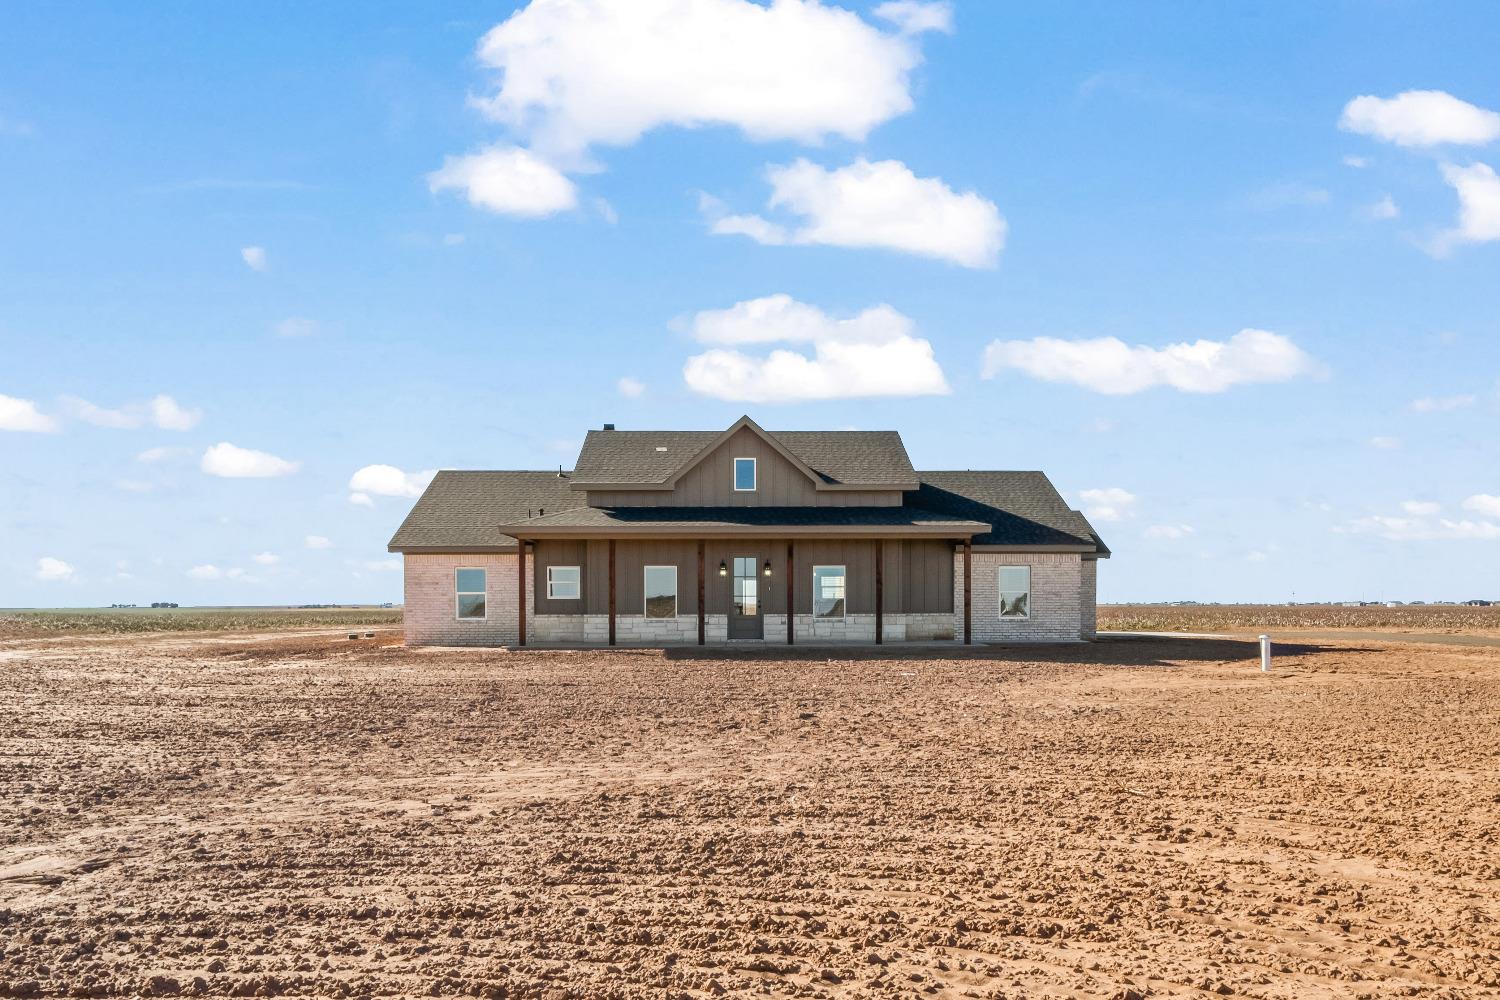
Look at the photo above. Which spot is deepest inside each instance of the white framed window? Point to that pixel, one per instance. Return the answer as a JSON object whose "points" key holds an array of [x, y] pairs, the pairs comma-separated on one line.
{"points": [[468, 593], [563, 583], [1015, 591], [828, 592], [744, 475], [661, 592]]}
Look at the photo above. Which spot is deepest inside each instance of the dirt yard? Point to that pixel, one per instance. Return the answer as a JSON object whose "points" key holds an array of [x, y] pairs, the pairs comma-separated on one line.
{"points": [[1134, 818]]}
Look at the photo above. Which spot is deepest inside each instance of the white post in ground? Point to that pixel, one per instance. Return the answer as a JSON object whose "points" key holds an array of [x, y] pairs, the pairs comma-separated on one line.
{"points": [[1265, 654]]}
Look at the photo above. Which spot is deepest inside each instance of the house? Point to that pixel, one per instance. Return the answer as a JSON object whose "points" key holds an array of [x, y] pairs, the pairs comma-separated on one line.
{"points": [[702, 537]]}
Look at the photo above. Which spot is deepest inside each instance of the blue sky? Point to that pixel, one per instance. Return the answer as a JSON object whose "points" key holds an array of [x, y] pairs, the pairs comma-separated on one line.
{"points": [[337, 238]]}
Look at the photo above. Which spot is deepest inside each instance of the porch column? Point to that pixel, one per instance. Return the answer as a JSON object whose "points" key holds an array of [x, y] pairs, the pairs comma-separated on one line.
{"points": [[791, 622], [879, 591], [611, 591], [521, 591], [968, 592], [701, 589]]}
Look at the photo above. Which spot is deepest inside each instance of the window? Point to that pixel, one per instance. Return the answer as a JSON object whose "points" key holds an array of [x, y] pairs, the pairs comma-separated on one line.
{"points": [[828, 591], [1015, 591], [562, 583], [746, 586], [744, 475], [661, 591], [468, 585]]}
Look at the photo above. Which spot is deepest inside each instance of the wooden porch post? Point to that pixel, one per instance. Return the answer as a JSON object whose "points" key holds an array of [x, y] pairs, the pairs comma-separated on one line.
{"points": [[791, 618], [968, 592], [611, 591], [521, 590], [879, 591], [701, 589]]}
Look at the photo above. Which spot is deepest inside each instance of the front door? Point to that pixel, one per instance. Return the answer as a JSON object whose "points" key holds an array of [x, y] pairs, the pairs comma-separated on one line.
{"points": [[744, 605]]}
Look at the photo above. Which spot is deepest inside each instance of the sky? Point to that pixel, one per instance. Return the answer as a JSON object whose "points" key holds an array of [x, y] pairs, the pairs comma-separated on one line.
{"points": [[1228, 273]]}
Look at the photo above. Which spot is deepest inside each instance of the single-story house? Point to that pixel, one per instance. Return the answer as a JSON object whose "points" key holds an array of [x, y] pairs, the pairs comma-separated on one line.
{"points": [[748, 535]]}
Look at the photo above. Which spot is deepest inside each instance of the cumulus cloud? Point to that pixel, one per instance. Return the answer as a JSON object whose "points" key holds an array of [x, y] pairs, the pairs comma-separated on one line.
{"points": [[631, 388], [1443, 404], [361, 500], [1421, 118], [162, 412], [1170, 531], [22, 415], [1108, 504], [207, 571], [582, 73], [317, 542], [231, 462], [53, 570], [1484, 504], [389, 481], [254, 257], [874, 353], [1421, 508], [913, 17], [508, 180], [1385, 208], [1111, 366], [1416, 529], [266, 558], [1478, 207], [882, 204]]}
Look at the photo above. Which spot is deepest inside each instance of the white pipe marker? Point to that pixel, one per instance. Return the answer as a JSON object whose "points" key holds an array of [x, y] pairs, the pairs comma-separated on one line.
{"points": [[1265, 654]]}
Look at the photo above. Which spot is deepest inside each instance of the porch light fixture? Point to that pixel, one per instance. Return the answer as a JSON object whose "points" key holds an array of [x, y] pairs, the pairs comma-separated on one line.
{"points": [[723, 570], [767, 570]]}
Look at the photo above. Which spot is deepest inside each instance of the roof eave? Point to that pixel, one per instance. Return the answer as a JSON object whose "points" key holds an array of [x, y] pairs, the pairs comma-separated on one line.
{"points": [[964, 529]]}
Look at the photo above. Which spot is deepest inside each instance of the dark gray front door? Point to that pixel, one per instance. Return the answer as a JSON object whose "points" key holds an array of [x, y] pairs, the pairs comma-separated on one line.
{"points": [[744, 604]]}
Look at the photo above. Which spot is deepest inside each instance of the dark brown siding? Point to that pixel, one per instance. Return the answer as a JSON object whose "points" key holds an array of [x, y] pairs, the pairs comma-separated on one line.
{"points": [[927, 576], [858, 559], [710, 483], [558, 553], [631, 560], [720, 588]]}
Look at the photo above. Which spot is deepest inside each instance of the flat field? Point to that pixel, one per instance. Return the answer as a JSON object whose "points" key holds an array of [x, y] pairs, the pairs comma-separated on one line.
{"points": [[1436, 619], [305, 815]]}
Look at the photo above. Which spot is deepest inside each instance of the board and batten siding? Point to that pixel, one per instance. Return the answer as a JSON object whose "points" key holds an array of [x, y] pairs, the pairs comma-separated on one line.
{"points": [[710, 483]]}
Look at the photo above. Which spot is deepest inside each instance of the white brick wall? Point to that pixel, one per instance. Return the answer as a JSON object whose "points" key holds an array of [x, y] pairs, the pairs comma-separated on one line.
{"points": [[850, 628], [431, 614], [1056, 591], [929, 627], [1088, 599]]}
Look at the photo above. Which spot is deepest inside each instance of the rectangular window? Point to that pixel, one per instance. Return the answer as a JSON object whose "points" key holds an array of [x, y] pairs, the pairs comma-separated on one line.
{"points": [[661, 591], [1015, 591], [562, 583], [468, 586], [828, 591], [746, 587], [744, 475]]}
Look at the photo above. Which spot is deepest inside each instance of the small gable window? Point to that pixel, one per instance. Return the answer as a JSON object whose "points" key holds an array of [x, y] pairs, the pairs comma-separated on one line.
{"points": [[468, 587], [744, 475]]}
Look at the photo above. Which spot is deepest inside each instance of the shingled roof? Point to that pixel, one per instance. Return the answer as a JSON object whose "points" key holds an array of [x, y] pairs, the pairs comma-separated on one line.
{"points": [[833, 521], [1022, 508], [462, 511], [838, 458]]}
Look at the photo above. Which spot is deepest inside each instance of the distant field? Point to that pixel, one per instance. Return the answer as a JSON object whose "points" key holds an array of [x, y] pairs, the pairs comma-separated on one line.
{"points": [[122, 621], [1239, 617]]}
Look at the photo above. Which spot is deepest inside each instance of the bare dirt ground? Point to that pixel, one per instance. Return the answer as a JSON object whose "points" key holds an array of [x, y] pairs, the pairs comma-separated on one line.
{"points": [[1138, 818]]}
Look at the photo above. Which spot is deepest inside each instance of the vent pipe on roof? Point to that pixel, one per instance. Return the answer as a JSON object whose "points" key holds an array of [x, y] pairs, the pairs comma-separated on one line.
{"points": [[609, 427]]}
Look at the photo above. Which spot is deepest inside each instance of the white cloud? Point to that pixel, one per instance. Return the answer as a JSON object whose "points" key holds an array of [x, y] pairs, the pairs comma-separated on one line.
{"points": [[231, 462], [1385, 443], [1421, 118], [1483, 503], [1171, 531], [874, 353], [317, 542], [22, 415], [508, 180], [389, 481], [1108, 504], [1111, 366], [1443, 404], [266, 558], [254, 257], [868, 204], [1413, 529], [207, 571], [161, 454], [913, 17], [1421, 508], [1478, 207], [580, 73], [1385, 208], [296, 326], [631, 388], [53, 570], [162, 411], [361, 500], [1357, 162]]}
